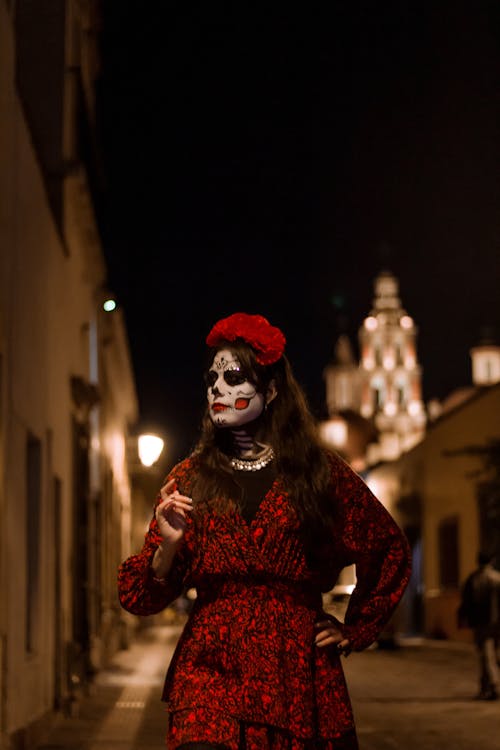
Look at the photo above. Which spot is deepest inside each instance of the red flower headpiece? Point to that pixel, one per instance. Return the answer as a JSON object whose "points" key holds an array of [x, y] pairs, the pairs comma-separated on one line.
{"points": [[267, 340]]}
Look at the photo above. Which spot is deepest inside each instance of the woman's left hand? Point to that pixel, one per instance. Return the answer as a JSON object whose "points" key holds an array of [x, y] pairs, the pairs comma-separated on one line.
{"points": [[329, 633]]}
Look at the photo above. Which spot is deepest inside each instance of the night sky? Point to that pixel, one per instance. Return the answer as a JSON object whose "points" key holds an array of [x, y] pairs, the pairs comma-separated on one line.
{"points": [[273, 158]]}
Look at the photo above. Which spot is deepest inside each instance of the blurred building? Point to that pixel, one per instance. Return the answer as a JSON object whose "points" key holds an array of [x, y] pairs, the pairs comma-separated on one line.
{"points": [[375, 404], [436, 469], [67, 393], [447, 491]]}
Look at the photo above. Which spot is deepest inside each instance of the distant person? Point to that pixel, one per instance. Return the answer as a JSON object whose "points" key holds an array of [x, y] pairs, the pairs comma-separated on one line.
{"points": [[259, 520], [480, 610]]}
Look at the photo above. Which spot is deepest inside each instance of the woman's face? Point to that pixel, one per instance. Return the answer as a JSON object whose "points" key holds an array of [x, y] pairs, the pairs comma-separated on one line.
{"points": [[233, 400]]}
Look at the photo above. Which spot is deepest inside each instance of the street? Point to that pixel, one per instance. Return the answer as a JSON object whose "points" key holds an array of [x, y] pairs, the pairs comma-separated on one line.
{"points": [[416, 697], [420, 697]]}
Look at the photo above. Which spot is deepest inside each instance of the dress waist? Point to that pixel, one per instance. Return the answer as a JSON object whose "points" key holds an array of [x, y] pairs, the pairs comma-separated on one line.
{"points": [[247, 588]]}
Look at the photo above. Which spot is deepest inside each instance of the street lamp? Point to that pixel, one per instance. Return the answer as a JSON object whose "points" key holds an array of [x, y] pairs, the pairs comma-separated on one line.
{"points": [[149, 448], [109, 304]]}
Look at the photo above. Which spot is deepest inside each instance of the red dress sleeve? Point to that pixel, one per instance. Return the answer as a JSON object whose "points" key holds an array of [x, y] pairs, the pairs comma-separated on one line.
{"points": [[139, 592], [379, 549]]}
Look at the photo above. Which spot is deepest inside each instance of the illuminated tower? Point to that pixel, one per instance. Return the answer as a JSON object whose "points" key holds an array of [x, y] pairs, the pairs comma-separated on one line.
{"points": [[485, 361], [389, 373]]}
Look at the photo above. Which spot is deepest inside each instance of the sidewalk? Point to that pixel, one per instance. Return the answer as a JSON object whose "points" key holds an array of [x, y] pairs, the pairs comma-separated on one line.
{"points": [[417, 697], [123, 710]]}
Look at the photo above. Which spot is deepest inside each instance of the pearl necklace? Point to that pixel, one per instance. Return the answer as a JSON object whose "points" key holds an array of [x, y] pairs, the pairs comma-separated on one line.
{"points": [[253, 464]]}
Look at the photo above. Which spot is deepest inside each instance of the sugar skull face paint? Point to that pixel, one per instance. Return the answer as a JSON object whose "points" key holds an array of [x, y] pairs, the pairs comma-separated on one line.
{"points": [[232, 399]]}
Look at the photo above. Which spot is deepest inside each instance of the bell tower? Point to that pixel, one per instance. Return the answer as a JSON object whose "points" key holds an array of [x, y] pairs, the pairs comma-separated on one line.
{"points": [[375, 407], [390, 374]]}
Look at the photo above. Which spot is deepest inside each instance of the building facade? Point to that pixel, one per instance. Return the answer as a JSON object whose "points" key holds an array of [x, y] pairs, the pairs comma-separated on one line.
{"points": [[447, 488], [67, 393]]}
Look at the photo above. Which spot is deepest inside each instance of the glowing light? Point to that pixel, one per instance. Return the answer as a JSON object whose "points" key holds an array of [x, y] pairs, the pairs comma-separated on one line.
{"points": [[485, 364], [366, 410], [389, 362], [414, 408], [109, 305], [371, 323], [150, 448], [334, 432], [406, 322], [368, 362]]}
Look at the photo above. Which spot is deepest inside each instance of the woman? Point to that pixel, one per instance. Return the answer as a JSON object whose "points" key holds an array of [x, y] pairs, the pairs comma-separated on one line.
{"points": [[260, 520]]}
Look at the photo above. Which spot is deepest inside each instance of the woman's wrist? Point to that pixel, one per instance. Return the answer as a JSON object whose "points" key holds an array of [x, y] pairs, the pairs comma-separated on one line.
{"points": [[163, 558]]}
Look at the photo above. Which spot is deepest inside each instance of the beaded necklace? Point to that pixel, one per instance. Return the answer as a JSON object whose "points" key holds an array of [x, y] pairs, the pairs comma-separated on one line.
{"points": [[253, 464]]}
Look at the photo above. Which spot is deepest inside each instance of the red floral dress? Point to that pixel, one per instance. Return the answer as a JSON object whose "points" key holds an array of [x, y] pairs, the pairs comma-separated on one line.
{"points": [[246, 665]]}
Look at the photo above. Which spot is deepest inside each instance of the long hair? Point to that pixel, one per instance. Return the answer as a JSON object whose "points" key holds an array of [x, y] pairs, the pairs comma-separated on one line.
{"points": [[287, 424]]}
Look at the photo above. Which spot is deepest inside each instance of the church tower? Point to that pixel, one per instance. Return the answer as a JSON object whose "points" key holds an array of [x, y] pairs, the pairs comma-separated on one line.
{"points": [[383, 389], [391, 392]]}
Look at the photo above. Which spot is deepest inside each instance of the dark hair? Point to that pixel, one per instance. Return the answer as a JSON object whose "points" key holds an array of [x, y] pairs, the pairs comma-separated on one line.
{"points": [[287, 424], [483, 557]]}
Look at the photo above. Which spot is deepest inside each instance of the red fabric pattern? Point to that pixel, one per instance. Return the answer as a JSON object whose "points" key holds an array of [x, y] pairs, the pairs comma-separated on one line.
{"points": [[248, 647], [207, 725]]}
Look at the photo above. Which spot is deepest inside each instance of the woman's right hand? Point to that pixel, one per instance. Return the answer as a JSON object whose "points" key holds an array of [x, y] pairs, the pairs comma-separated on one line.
{"points": [[171, 513]]}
